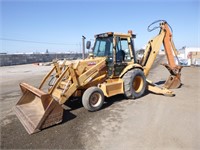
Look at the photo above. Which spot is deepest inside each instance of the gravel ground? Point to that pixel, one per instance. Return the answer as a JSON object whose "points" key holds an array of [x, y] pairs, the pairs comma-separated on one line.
{"points": [[151, 122]]}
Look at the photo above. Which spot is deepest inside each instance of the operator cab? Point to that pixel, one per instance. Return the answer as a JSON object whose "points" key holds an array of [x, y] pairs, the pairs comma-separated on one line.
{"points": [[118, 48]]}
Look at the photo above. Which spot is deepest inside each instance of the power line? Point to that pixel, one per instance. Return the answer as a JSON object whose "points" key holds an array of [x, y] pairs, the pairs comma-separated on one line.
{"points": [[27, 41]]}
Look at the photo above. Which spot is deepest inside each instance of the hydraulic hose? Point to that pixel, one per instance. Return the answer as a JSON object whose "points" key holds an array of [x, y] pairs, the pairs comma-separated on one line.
{"points": [[156, 27]]}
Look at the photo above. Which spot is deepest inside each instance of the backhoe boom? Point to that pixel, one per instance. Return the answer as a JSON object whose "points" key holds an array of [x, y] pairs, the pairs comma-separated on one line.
{"points": [[152, 49]]}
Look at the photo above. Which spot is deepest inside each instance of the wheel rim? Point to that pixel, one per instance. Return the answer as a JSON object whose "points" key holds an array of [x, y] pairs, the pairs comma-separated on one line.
{"points": [[138, 84], [95, 99]]}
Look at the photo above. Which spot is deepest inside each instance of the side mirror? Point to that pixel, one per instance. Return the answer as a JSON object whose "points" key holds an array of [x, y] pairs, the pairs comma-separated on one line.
{"points": [[88, 44]]}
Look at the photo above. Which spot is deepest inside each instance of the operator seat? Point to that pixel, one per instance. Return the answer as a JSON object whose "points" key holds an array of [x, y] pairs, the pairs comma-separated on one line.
{"points": [[120, 56]]}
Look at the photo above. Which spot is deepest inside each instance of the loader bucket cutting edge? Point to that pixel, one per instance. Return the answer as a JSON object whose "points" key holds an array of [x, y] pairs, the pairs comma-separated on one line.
{"points": [[37, 110]]}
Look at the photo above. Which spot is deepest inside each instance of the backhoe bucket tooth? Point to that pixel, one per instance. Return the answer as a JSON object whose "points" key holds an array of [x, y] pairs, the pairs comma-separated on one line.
{"points": [[37, 110], [173, 82]]}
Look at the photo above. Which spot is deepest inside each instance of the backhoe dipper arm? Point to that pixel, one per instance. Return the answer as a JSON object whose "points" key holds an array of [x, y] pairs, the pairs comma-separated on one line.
{"points": [[152, 49], [169, 49]]}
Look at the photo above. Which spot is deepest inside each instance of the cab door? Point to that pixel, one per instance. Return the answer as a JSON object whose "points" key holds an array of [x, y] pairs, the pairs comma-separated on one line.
{"points": [[122, 55]]}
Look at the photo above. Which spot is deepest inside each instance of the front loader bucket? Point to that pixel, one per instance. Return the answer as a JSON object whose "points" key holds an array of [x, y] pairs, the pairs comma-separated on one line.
{"points": [[37, 110]]}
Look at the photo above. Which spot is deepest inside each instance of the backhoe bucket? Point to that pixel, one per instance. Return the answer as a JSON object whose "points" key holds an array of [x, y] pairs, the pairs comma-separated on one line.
{"points": [[37, 110], [173, 82]]}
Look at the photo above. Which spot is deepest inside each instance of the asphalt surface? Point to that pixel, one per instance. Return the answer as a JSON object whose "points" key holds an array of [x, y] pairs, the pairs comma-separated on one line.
{"points": [[150, 122]]}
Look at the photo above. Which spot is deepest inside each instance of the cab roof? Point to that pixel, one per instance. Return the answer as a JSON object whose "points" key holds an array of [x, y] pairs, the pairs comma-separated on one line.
{"points": [[108, 34]]}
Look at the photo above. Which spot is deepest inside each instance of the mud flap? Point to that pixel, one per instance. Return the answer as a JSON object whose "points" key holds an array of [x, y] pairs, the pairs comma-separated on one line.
{"points": [[37, 110]]}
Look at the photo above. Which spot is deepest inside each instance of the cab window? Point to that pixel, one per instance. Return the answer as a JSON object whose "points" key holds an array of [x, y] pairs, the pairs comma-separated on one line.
{"points": [[122, 50]]}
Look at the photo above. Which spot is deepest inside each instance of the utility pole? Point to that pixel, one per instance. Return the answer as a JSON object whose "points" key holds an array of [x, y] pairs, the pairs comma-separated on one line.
{"points": [[83, 42]]}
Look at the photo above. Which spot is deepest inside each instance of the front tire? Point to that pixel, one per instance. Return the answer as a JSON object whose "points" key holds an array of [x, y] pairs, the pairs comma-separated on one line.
{"points": [[93, 99], [134, 83]]}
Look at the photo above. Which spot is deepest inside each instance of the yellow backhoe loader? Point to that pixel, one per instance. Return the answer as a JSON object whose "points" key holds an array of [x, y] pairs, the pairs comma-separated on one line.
{"points": [[111, 69]]}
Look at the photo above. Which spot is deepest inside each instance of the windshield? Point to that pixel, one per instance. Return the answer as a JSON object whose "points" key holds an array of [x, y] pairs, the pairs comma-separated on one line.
{"points": [[103, 47]]}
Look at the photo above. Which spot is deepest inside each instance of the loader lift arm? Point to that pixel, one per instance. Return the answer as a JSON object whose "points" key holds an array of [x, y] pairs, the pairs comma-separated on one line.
{"points": [[164, 37], [38, 109]]}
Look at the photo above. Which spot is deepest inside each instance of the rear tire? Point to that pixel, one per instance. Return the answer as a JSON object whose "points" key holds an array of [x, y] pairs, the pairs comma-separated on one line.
{"points": [[134, 83], [93, 99]]}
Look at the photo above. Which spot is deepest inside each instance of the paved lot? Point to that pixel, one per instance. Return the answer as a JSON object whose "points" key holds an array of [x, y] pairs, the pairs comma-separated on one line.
{"points": [[151, 122]]}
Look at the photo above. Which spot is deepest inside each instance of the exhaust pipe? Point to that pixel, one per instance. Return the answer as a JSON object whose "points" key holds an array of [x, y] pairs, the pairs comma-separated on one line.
{"points": [[83, 43]]}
